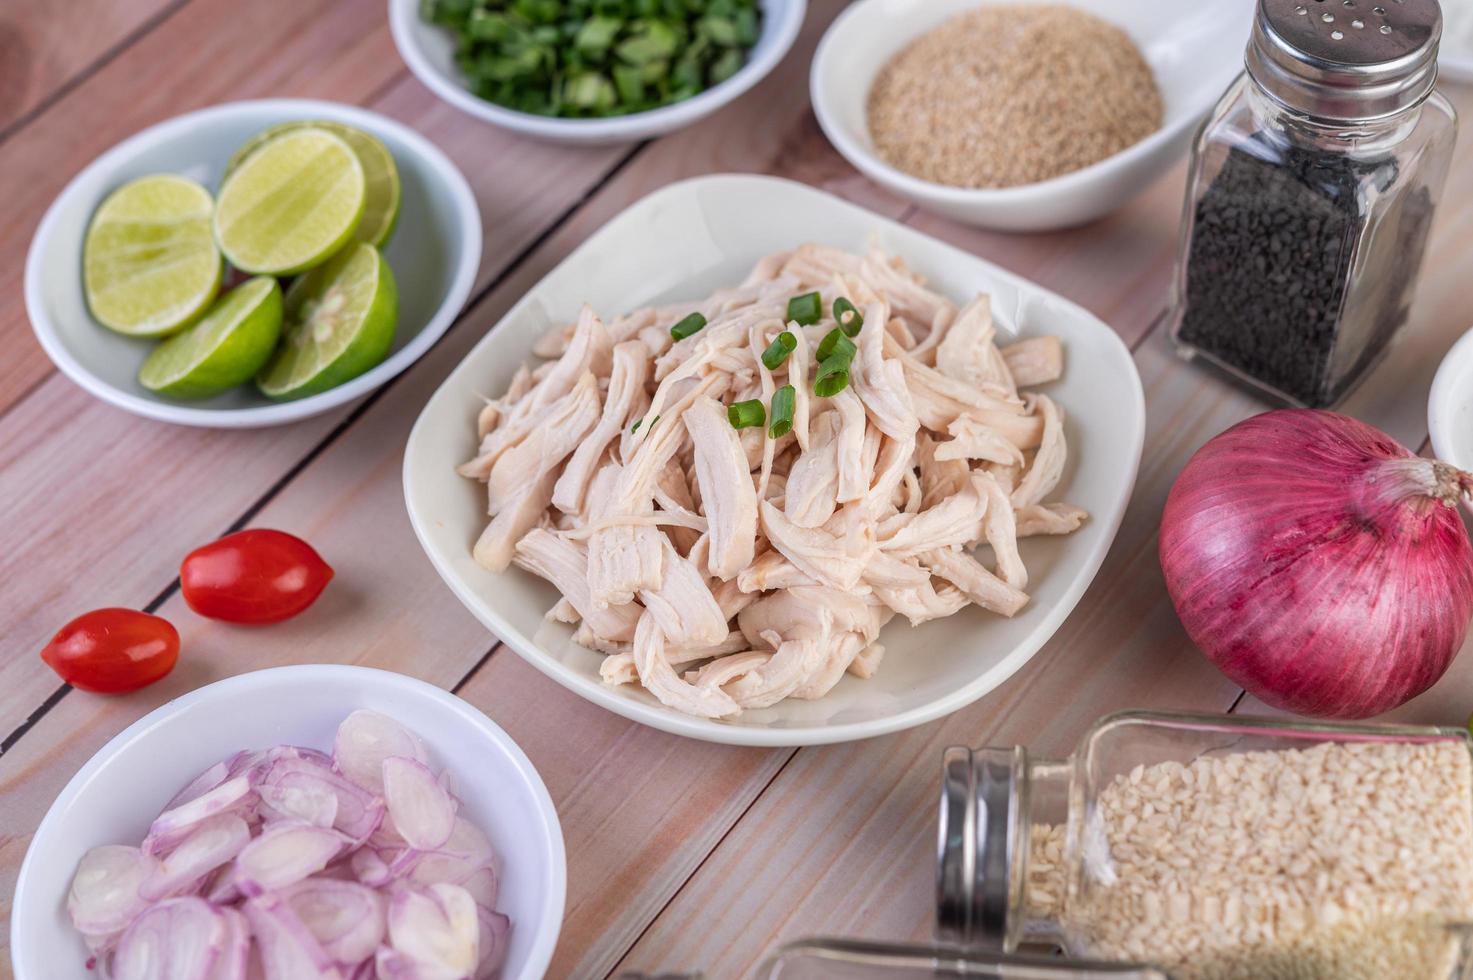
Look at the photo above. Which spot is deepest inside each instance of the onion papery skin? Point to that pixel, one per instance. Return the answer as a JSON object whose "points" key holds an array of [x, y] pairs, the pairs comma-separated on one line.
{"points": [[1318, 563]]}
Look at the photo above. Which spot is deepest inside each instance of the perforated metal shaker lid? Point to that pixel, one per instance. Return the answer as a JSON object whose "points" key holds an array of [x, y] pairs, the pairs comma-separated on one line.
{"points": [[1346, 59]]}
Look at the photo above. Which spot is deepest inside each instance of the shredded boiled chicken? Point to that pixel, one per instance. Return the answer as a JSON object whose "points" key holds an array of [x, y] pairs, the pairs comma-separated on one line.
{"points": [[723, 570]]}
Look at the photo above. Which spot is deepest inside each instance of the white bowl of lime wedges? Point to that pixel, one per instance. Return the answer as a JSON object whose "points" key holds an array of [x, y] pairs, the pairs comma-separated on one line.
{"points": [[339, 249]]}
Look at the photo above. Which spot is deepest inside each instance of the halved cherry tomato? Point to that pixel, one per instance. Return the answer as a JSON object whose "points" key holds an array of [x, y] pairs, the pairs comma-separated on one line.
{"points": [[255, 576], [111, 651]]}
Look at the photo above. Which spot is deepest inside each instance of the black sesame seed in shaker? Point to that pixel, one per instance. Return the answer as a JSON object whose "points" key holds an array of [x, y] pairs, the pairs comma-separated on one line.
{"points": [[1269, 266], [1310, 200]]}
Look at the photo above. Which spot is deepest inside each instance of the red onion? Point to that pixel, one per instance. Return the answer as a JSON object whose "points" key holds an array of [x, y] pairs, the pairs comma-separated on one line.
{"points": [[1319, 564]]}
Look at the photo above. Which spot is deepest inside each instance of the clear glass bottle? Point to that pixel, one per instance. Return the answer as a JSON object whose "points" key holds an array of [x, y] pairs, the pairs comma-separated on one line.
{"points": [[1216, 846], [1310, 197], [846, 959]]}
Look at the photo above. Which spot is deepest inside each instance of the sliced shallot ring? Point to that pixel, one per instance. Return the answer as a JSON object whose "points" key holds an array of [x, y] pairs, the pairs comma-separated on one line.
{"points": [[301, 791], [212, 842], [104, 895], [422, 811], [201, 784], [370, 868], [437, 929], [287, 948], [347, 919], [222, 888], [236, 950], [284, 854], [365, 739], [494, 930], [177, 939], [173, 824]]}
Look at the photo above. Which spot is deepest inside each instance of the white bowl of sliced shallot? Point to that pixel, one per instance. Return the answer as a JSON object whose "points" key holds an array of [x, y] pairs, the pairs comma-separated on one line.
{"points": [[318, 821]]}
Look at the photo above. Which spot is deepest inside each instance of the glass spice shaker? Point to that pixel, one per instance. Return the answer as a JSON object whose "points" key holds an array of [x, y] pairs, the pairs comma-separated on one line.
{"points": [[1219, 847], [1310, 196]]}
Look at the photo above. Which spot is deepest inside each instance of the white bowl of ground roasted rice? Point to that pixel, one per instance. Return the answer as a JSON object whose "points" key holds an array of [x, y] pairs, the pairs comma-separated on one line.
{"points": [[1194, 52]]}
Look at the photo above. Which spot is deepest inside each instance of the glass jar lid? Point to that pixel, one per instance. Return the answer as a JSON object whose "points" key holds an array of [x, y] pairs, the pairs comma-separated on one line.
{"points": [[981, 803], [1346, 60]]}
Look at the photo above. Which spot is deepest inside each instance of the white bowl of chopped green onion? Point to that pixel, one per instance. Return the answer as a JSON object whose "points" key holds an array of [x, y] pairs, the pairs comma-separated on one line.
{"points": [[593, 71]]}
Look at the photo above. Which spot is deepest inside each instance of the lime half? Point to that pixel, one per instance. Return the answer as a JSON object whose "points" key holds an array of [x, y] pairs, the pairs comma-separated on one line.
{"points": [[149, 262], [224, 349], [339, 322], [293, 203], [381, 176]]}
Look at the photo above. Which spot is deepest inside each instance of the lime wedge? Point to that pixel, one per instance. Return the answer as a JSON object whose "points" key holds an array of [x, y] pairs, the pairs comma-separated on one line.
{"points": [[292, 204], [224, 349], [338, 322], [381, 176], [149, 262]]}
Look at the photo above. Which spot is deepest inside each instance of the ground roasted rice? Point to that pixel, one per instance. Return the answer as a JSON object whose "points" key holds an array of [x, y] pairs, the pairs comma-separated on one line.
{"points": [[1009, 95], [1337, 862]]}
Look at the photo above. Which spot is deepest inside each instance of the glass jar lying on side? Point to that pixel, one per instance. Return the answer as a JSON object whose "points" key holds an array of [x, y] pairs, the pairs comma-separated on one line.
{"points": [[1310, 197], [845, 959], [1219, 847]]}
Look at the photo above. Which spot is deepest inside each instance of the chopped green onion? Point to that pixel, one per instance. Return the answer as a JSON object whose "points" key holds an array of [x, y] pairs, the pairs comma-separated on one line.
{"points": [[834, 342], [805, 309], [777, 352], [851, 326], [635, 427], [745, 415], [595, 58], [690, 326], [782, 411], [832, 377]]}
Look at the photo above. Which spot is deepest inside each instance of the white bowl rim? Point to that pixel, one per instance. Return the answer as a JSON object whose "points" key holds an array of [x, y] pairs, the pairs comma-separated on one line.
{"points": [[1442, 398], [785, 32], [445, 172], [874, 165], [553, 902], [667, 719]]}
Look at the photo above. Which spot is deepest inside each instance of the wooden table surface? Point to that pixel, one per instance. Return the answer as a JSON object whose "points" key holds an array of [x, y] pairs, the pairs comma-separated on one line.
{"points": [[682, 855]]}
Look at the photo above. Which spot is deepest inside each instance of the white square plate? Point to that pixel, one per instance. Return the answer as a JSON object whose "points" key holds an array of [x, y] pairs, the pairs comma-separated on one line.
{"points": [[682, 242]]}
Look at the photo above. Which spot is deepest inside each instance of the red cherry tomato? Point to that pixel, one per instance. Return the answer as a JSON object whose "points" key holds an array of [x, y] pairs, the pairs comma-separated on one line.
{"points": [[111, 651], [255, 576]]}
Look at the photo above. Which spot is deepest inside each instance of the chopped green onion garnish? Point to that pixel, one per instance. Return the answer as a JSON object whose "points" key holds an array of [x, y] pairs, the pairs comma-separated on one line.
{"points": [[782, 345], [690, 326], [854, 323], [805, 309], [635, 427], [744, 415], [782, 411], [834, 342], [832, 377]]}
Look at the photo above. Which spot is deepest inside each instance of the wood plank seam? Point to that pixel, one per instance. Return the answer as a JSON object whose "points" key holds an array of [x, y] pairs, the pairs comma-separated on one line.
{"points": [[475, 668], [82, 75], [358, 411], [31, 389], [34, 717], [716, 846]]}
